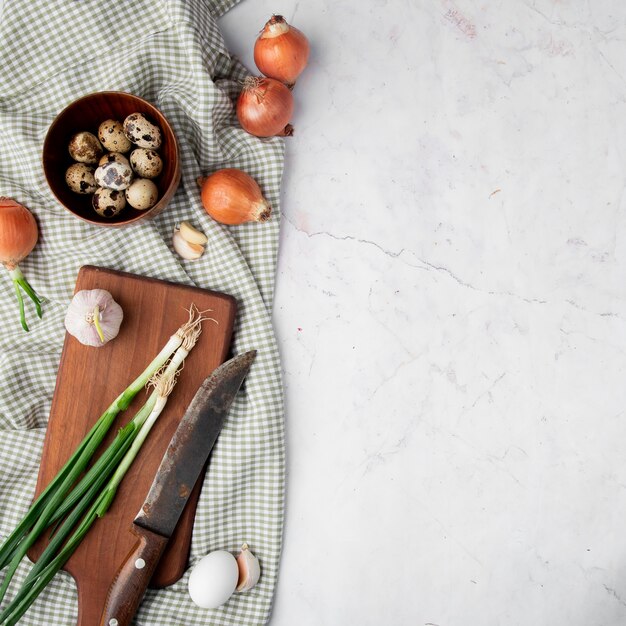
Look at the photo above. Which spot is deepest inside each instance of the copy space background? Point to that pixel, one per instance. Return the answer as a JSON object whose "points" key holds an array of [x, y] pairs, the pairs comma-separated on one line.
{"points": [[450, 313]]}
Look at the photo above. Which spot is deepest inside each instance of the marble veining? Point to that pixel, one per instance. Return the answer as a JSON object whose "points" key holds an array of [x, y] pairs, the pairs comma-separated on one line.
{"points": [[451, 314]]}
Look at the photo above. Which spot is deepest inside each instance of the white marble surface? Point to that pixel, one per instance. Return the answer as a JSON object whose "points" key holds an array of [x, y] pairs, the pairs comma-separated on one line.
{"points": [[450, 310]]}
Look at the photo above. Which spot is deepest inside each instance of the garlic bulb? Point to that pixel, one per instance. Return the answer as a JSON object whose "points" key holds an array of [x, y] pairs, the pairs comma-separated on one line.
{"points": [[93, 317], [249, 569]]}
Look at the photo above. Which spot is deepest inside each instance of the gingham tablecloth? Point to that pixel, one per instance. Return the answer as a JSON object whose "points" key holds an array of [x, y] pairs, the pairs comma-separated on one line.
{"points": [[171, 53]]}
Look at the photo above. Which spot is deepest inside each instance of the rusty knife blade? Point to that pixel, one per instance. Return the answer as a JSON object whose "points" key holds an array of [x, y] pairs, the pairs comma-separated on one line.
{"points": [[191, 445]]}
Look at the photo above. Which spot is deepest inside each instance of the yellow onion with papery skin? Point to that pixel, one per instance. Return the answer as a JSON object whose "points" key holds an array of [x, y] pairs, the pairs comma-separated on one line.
{"points": [[281, 51], [264, 107], [18, 237], [18, 232], [232, 197]]}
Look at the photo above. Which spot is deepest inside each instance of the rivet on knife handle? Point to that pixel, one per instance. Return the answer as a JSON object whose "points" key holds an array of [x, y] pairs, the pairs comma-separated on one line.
{"points": [[128, 588]]}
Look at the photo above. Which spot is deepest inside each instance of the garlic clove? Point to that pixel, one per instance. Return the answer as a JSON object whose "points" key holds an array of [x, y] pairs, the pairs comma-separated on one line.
{"points": [[249, 569], [189, 251], [192, 235]]}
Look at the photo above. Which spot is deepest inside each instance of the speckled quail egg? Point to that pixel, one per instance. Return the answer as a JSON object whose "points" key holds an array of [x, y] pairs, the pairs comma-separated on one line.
{"points": [[85, 148], [141, 131], [114, 175], [146, 163], [142, 194], [112, 137], [79, 178], [108, 202], [109, 157]]}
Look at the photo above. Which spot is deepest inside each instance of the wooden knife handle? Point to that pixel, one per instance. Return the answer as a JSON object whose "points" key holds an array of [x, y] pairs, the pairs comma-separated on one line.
{"points": [[131, 580]]}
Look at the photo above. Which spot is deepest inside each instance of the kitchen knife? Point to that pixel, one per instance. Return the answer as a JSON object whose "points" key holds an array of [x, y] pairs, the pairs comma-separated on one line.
{"points": [[180, 468]]}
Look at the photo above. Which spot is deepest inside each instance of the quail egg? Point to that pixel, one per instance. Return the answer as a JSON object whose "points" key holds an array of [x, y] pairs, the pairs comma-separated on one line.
{"points": [[110, 157], [141, 131], [85, 148], [142, 194], [112, 137], [79, 178], [114, 175], [147, 163], [108, 202]]}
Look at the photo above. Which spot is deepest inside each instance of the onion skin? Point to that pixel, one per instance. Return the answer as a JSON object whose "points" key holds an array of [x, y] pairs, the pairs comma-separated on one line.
{"points": [[18, 232], [264, 107], [18, 236], [281, 51], [232, 197]]}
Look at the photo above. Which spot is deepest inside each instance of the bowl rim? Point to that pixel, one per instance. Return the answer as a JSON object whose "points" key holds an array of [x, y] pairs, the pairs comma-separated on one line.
{"points": [[172, 186]]}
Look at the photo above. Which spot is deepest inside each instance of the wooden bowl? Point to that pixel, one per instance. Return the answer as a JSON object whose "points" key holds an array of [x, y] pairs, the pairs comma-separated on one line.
{"points": [[87, 113]]}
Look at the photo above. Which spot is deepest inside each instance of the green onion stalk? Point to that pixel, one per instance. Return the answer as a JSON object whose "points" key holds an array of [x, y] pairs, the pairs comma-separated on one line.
{"points": [[93, 503], [44, 510], [19, 282]]}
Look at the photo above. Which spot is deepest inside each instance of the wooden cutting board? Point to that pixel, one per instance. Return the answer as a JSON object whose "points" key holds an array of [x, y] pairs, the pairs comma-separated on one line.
{"points": [[89, 379]]}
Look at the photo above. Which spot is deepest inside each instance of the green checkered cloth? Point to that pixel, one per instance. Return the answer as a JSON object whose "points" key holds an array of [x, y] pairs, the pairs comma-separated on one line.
{"points": [[171, 53]]}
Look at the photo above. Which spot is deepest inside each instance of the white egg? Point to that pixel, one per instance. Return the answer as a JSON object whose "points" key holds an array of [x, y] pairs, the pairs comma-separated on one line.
{"points": [[213, 579]]}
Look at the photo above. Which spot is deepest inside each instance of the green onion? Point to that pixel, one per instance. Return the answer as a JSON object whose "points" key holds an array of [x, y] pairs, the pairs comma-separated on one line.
{"points": [[86, 496], [20, 281], [98, 469], [125, 440], [19, 606], [136, 432], [42, 512], [164, 387]]}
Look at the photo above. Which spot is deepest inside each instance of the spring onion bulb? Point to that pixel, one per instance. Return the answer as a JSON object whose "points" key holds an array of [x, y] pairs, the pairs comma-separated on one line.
{"points": [[44, 511], [164, 387]]}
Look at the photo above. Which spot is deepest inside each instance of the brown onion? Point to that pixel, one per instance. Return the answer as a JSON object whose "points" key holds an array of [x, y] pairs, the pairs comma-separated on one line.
{"points": [[18, 232], [281, 51], [18, 236], [232, 197], [264, 107]]}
